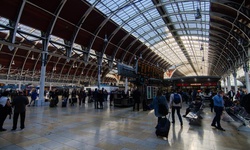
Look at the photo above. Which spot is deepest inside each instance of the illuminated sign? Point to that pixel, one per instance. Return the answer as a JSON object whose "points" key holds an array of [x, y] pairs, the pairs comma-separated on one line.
{"points": [[197, 84]]}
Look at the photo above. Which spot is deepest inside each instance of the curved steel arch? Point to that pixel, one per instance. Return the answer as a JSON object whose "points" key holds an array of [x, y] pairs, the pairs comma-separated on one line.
{"points": [[222, 61], [79, 25], [221, 38], [232, 8], [226, 41]]}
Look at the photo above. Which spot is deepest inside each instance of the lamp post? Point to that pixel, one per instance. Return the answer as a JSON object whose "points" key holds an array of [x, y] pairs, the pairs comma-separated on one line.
{"points": [[99, 77]]}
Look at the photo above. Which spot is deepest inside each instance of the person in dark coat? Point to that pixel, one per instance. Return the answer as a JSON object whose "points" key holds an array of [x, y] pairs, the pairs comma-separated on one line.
{"points": [[137, 99], [95, 96], [111, 98], [19, 103], [245, 102], [100, 98]]}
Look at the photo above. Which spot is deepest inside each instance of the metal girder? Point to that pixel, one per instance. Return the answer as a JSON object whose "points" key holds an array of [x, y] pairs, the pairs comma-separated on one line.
{"points": [[14, 25]]}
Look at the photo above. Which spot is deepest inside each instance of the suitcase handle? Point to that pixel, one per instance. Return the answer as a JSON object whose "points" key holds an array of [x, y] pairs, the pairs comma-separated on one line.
{"points": [[168, 115]]}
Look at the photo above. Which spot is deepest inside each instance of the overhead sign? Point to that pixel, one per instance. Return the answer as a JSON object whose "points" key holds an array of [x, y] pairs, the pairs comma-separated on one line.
{"points": [[149, 71], [125, 70]]}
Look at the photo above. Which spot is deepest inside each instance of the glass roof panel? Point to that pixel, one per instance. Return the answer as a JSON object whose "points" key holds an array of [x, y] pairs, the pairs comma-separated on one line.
{"points": [[28, 30], [4, 21]]}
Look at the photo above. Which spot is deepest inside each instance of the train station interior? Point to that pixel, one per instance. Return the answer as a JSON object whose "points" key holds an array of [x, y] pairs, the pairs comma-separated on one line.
{"points": [[123, 45]]}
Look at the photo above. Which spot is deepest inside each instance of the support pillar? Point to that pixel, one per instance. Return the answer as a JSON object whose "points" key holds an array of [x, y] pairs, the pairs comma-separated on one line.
{"points": [[126, 85], [99, 77], [228, 83], [41, 99], [235, 81], [44, 54], [20, 85], [245, 67], [225, 87], [50, 86]]}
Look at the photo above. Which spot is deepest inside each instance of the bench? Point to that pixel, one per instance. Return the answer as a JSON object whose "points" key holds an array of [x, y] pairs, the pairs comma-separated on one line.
{"points": [[241, 114], [195, 116]]}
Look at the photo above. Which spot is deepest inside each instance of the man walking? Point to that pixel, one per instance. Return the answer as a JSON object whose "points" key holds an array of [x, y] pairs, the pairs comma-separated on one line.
{"points": [[218, 109], [19, 103], [176, 104]]}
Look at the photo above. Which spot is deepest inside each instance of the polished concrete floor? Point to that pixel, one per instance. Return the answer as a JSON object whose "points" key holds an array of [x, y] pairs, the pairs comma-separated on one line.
{"points": [[114, 128]]}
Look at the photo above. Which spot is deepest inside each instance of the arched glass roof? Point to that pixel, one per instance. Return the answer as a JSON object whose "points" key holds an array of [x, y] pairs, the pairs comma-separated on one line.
{"points": [[142, 19], [197, 38]]}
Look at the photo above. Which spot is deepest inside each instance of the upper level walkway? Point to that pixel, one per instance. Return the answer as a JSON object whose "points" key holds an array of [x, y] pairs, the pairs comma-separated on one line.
{"points": [[115, 128]]}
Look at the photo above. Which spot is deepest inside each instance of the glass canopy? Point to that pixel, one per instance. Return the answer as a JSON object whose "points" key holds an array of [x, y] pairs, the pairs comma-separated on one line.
{"points": [[189, 19]]}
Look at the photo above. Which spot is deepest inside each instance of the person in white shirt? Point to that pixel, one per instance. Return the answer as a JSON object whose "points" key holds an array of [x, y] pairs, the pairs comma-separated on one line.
{"points": [[5, 109]]}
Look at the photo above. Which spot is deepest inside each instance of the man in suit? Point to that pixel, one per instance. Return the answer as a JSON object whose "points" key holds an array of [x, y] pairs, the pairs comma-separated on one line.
{"points": [[137, 99], [19, 103], [231, 94]]}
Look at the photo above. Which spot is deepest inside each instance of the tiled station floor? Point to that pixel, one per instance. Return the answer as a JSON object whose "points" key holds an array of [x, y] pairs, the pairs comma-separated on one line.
{"points": [[114, 128]]}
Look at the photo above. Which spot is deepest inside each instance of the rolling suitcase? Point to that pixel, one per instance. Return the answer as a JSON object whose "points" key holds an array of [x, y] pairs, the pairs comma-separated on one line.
{"points": [[163, 126], [64, 103]]}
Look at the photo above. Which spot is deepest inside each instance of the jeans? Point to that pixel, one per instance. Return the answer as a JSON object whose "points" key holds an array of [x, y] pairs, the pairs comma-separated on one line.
{"points": [[178, 113], [218, 112]]}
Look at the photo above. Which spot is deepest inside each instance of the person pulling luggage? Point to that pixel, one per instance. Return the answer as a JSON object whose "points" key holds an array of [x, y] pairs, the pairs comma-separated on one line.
{"points": [[160, 106]]}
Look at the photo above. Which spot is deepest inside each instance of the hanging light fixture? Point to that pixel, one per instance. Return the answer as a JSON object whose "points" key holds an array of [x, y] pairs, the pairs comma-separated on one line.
{"points": [[198, 14], [32, 57], [202, 48], [239, 42], [198, 11], [13, 62], [105, 38], [54, 68]]}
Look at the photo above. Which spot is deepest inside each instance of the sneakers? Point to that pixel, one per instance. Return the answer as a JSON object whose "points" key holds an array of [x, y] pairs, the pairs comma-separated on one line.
{"points": [[220, 128], [213, 125]]}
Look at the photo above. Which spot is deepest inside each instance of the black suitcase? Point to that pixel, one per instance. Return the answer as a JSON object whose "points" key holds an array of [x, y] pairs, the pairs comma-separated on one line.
{"points": [[163, 127], [74, 100], [52, 103], [64, 103]]}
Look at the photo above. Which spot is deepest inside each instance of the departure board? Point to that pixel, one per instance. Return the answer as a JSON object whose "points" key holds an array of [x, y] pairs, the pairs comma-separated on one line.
{"points": [[149, 70]]}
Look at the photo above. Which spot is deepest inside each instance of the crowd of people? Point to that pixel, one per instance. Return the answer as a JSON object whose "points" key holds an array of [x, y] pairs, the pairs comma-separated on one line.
{"points": [[173, 101], [194, 98]]}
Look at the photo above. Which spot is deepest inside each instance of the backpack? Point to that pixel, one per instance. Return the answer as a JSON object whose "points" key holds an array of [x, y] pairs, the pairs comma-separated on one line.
{"points": [[162, 109], [177, 99]]}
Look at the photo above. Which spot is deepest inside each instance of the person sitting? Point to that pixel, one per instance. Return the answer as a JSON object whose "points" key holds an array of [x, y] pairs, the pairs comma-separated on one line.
{"points": [[194, 106]]}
